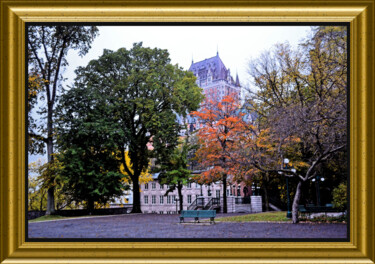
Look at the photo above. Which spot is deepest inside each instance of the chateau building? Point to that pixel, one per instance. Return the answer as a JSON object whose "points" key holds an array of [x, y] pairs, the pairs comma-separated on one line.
{"points": [[215, 79]]}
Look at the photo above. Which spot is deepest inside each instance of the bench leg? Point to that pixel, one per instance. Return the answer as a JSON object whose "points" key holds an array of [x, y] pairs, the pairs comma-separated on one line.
{"points": [[182, 220], [212, 220], [196, 219]]}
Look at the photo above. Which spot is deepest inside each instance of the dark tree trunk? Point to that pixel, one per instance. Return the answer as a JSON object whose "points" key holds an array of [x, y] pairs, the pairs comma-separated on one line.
{"points": [[266, 200], [90, 206], [41, 202], [296, 199], [225, 207], [180, 196], [136, 196], [51, 190]]}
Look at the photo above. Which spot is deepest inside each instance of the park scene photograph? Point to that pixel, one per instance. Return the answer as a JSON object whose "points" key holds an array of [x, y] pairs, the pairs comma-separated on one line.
{"points": [[184, 132]]}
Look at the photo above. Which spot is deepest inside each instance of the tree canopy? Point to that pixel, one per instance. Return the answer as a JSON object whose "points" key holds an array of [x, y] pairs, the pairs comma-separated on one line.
{"points": [[130, 100]]}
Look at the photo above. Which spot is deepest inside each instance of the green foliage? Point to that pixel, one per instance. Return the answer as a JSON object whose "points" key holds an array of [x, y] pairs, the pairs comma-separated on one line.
{"points": [[43, 176], [340, 197], [174, 171], [90, 172], [37, 198], [119, 105]]}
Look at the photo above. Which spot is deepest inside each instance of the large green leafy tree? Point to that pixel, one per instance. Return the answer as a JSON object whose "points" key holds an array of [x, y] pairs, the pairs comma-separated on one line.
{"points": [[134, 96], [48, 47]]}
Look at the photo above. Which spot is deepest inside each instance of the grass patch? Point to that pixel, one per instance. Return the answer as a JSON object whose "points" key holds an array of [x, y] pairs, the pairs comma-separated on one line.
{"points": [[278, 216], [53, 217]]}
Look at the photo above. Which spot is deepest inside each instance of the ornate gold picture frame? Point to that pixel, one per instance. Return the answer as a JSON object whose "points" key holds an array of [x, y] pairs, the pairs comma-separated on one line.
{"points": [[360, 248]]}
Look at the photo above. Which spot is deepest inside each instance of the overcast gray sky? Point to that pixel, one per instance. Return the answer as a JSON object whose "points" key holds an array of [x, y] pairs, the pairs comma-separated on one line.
{"points": [[236, 44]]}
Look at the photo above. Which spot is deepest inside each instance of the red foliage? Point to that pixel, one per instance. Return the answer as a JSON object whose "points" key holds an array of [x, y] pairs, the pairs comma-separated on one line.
{"points": [[222, 125]]}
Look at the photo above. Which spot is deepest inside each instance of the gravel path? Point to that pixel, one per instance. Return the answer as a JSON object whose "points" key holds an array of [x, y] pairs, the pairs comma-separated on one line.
{"points": [[168, 226]]}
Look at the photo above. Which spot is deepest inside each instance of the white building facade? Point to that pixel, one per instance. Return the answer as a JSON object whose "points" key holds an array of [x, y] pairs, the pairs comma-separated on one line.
{"points": [[196, 196]]}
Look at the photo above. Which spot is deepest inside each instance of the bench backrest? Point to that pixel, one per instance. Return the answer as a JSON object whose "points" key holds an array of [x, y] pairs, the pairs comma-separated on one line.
{"points": [[189, 213], [198, 213], [207, 213]]}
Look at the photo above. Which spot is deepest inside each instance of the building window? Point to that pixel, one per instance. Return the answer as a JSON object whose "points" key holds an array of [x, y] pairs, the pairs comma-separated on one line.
{"points": [[174, 199], [153, 199], [161, 212], [218, 193], [161, 199], [189, 199], [239, 191], [153, 212], [196, 185], [161, 186], [227, 192], [146, 186], [146, 199], [189, 185], [168, 199], [154, 185]]}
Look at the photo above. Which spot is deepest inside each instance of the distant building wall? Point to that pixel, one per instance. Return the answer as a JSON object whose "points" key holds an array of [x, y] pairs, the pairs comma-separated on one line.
{"points": [[153, 199]]}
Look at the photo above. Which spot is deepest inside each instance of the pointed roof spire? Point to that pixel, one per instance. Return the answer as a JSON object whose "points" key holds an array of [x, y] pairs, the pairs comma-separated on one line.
{"points": [[217, 50], [237, 79], [192, 59]]}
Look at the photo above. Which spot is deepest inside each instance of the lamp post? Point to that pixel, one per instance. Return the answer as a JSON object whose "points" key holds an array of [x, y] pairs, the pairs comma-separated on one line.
{"points": [[289, 213], [317, 187]]}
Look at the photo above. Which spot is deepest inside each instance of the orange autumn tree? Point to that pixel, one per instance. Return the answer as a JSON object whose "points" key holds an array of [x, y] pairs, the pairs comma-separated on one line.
{"points": [[222, 124]]}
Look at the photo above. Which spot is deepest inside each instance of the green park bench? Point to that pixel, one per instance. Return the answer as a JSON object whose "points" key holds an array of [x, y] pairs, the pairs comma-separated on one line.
{"points": [[196, 214]]}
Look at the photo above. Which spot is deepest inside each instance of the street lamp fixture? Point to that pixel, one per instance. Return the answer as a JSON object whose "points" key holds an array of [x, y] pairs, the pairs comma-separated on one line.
{"points": [[317, 180]]}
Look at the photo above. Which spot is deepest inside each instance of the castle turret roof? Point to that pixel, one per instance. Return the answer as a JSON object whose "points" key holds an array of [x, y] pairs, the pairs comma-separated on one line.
{"points": [[215, 64]]}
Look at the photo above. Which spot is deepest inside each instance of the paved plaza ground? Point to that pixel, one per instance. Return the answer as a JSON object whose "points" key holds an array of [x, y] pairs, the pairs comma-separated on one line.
{"points": [[168, 226]]}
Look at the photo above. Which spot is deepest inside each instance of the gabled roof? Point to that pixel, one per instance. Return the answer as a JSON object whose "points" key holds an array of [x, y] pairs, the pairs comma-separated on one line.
{"points": [[215, 64]]}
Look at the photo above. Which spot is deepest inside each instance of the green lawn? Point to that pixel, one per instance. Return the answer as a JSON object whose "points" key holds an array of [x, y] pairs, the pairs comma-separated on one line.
{"points": [[52, 217], [266, 217]]}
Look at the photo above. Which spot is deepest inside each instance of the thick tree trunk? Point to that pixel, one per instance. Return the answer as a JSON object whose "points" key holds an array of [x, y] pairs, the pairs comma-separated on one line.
{"points": [[266, 200], [51, 190], [136, 196], [90, 206], [296, 199], [225, 207], [180, 197]]}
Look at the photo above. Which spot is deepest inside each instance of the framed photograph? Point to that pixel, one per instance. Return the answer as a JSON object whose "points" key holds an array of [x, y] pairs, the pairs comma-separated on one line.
{"points": [[170, 33]]}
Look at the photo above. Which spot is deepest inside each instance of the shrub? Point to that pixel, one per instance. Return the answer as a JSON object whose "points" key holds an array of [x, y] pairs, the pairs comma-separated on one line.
{"points": [[340, 197]]}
